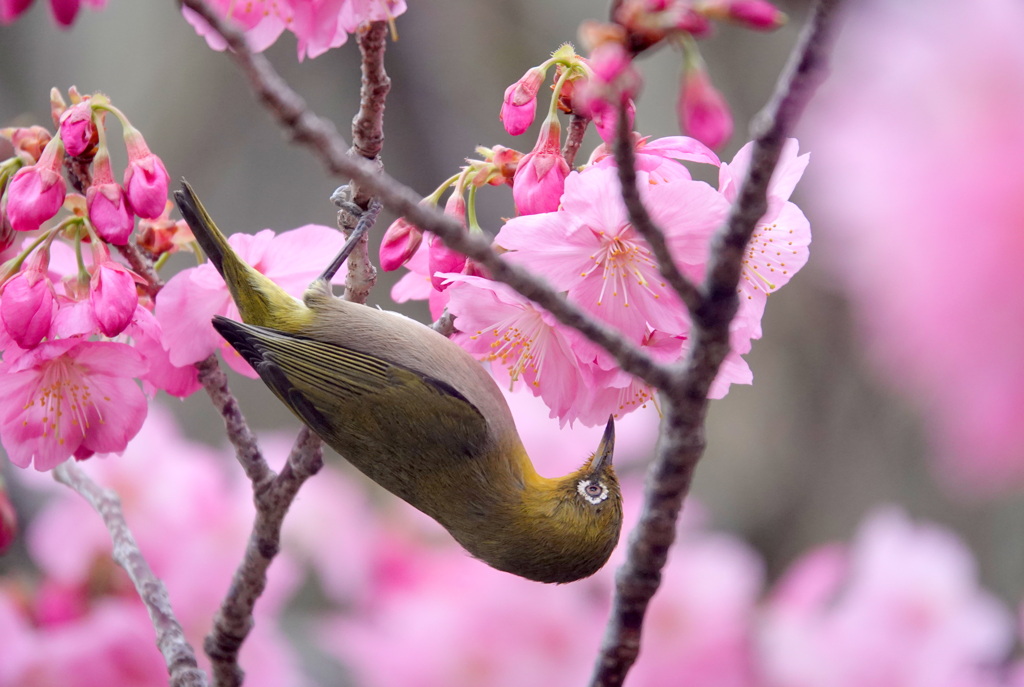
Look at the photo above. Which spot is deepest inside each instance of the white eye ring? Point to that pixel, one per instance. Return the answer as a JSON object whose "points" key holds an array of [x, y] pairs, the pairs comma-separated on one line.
{"points": [[592, 492]]}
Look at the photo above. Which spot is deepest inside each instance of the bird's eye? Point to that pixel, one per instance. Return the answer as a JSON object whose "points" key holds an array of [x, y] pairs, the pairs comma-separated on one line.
{"points": [[593, 491]]}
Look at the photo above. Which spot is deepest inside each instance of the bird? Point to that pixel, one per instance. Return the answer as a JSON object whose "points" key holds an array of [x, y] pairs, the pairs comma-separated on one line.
{"points": [[419, 416]]}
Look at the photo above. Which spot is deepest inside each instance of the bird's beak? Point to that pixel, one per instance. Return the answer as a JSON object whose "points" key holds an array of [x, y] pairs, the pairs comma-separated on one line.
{"points": [[603, 455]]}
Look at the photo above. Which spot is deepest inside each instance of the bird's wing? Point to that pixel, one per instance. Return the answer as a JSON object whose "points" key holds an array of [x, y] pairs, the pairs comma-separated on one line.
{"points": [[333, 387]]}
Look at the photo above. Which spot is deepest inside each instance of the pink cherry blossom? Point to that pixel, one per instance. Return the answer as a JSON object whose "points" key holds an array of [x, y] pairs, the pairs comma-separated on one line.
{"points": [[926, 242], [540, 176], [703, 112], [318, 25], [36, 193], [780, 244], [190, 299], [658, 157], [501, 326], [262, 21], [902, 607], [69, 397], [589, 249], [162, 374]]}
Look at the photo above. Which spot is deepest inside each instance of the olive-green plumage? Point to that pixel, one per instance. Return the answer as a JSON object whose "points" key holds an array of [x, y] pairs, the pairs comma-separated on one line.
{"points": [[420, 417]]}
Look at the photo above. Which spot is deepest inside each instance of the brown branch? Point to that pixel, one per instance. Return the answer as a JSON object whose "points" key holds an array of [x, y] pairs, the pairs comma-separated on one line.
{"points": [[368, 124], [247, 450], [178, 654], [367, 144], [323, 140], [445, 324], [682, 440], [142, 266], [574, 139], [625, 160], [234, 619]]}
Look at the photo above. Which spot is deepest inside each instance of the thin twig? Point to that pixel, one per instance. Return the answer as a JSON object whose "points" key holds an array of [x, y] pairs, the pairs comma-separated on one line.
{"points": [[682, 439], [367, 144], [445, 324], [177, 652], [322, 139], [142, 266], [234, 619], [625, 160], [247, 450]]}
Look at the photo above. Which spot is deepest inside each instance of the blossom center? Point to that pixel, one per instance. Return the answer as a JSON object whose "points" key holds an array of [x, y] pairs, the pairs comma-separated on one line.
{"points": [[518, 345], [765, 256], [64, 391], [623, 260]]}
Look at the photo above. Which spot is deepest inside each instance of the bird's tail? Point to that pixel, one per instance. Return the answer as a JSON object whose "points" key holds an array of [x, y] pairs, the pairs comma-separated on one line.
{"points": [[260, 301]]}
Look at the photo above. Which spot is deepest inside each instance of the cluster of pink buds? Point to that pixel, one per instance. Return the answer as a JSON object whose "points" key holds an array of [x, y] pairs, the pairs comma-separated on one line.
{"points": [[639, 25], [76, 327], [64, 11]]}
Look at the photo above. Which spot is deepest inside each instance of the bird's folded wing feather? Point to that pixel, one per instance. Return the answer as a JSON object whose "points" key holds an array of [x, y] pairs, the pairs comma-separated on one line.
{"points": [[319, 380]]}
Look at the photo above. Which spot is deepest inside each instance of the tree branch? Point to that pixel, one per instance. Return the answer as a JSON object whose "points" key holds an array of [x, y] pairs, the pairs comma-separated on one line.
{"points": [[682, 439], [625, 160], [234, 619], [247, 450], [574, 139], [177, 652]]}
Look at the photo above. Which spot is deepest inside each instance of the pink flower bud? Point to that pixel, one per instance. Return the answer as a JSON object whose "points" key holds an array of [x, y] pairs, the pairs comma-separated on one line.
{"points": [[146, 179], [113, 297], [505, 161], [8, 521], [540, 176], [520, 104], [703, 112], [109, 213], [400, 243], [441, 258], [27, 304], [65, 11], [77, 129], [12, 9], [29, 142], [36, 193], [163, 234], [755, 14]]}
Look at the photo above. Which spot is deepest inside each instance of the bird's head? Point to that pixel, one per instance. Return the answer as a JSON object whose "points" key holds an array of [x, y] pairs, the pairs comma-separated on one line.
{"points": [[575, 520]]}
